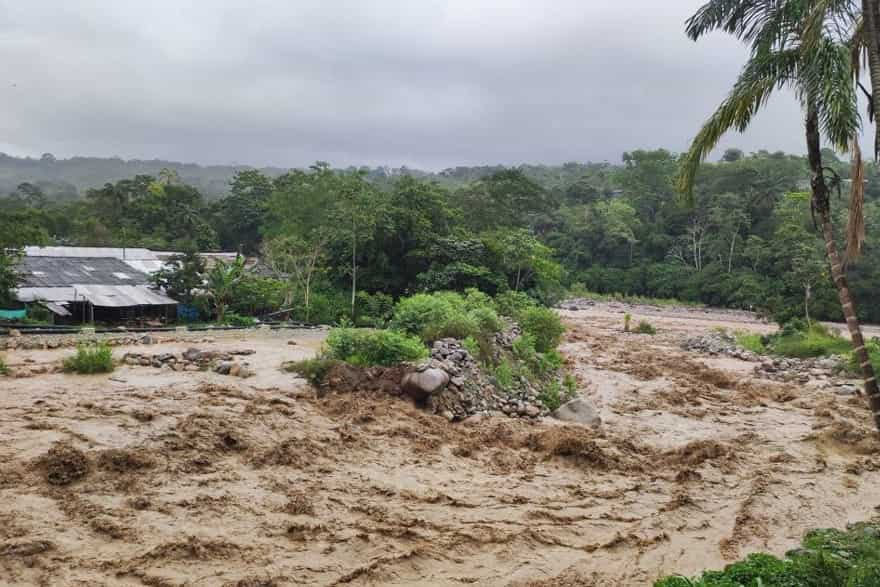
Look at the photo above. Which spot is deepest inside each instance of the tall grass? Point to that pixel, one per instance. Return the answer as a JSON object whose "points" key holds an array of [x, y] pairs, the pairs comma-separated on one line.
{"points": [[90, 359], [4, 370], [815, 341], [751, 342]]}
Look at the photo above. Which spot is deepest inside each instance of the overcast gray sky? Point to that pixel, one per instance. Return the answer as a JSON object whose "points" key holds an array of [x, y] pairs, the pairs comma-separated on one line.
{"points": [[424, 83]]}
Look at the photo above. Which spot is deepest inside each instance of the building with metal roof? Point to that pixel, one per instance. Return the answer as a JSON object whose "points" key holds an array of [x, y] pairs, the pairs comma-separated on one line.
{"points": [[143, 260], [88, 289]]}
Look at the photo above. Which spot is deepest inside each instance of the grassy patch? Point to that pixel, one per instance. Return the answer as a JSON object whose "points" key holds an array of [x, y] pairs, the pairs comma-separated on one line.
{"points": [[374, 347], [645, 328], [827, 558], [751, 342], [807, 342], [815, 341], [4, 369], [312, 370], [90, 359]]}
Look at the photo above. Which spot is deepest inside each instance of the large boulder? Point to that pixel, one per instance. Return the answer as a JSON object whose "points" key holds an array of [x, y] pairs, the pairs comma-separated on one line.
{"points": [[421, 384], [579, 411]]}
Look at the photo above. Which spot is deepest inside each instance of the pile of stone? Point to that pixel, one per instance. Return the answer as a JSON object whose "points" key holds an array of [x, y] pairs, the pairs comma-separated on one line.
{"points": [[719, 343], [819, 372], [17, 340], [194, 359], [451, 383]]}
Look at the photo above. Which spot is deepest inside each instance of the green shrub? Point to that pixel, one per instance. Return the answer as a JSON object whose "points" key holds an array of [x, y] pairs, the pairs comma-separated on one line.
{"points": [[413, 314], [447, 314], [312, 370], [570, 384], [828, 558], [456, 325], [544, 324], [751, 342], [645, 328], [505, 375], [374, 347], [552, 395], [90, 359], [513, 303], [4, 369], [374, 309], [471, 345], [815, 341], [627, 318], [873, 348], [233, 319]]}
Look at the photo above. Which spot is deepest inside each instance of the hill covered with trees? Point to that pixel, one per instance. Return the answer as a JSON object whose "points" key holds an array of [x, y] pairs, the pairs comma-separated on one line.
{"points": [[748, 242]]}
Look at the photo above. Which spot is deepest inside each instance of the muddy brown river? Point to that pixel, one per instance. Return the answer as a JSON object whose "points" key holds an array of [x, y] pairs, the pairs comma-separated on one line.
{"points": [[194, 478]]}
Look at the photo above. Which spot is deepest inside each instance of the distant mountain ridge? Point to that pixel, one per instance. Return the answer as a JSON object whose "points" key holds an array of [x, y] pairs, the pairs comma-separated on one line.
{"points": [[69, 178]]}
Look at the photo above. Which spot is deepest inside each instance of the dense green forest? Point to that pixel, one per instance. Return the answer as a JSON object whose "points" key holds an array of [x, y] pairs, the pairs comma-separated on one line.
{"points": [[748, 242]]}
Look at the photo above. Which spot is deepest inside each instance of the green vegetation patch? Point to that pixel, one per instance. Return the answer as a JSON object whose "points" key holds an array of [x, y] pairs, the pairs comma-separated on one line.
{"points": [[312, 370], [90, 359], [645, 328], [447, 315], [374, 347], [4, 369], [828, 558]]}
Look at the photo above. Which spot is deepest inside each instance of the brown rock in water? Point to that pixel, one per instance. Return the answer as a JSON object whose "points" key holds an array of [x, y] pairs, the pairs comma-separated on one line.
{"points": [[579, 411], [421, 384]]}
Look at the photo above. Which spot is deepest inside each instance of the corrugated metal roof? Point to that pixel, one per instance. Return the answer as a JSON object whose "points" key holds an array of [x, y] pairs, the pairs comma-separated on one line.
{"points": [[57, 309], [49, 294], [104, 296], [119, 296], [66, 271], [134, 254]]}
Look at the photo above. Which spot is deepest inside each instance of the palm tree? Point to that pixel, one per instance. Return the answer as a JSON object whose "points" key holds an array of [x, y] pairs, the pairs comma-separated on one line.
{"points": [[821, 73]]}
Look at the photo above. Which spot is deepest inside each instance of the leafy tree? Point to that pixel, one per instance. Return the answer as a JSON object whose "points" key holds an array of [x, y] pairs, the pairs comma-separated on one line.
{"points": [[182, 276], [358, 210], [220, 282], [9, 277], [300, 259]]}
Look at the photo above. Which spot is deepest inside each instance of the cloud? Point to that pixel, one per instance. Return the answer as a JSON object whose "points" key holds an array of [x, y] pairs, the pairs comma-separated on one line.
{"points": [[428, 84]]}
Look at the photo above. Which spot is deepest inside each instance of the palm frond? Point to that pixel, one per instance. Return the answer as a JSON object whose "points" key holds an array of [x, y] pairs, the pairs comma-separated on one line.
{"points": [[855, 230], [826, 75], [761, 75], [763, 24]]}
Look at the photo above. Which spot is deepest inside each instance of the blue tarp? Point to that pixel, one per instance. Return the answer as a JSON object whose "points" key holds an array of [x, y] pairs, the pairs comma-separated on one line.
{"points": [[187, 313]]}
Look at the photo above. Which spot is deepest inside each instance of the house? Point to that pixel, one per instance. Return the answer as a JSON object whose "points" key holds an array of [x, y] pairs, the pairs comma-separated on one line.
{"points": [[97, 288]]}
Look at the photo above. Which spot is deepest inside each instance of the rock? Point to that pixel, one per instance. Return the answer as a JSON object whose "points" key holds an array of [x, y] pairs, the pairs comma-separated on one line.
{"points": [[235, 369], [421, 384], [291, 342], [533, 411], [846, 389], [14, 333], [192, 354], [223, 367], [147, 339], [245, 372], [578, 410]]}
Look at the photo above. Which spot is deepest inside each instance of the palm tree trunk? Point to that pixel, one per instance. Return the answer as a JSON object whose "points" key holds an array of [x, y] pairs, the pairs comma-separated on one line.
{"points": [[871, 35], [822, 206]]}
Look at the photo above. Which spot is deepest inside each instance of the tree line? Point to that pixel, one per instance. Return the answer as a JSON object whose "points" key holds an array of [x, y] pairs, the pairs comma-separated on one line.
{"points": [[330, 239]]}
